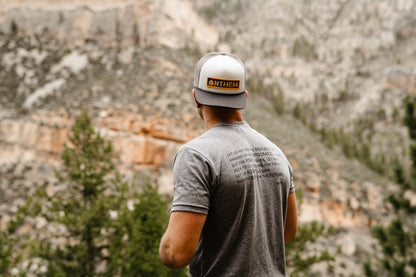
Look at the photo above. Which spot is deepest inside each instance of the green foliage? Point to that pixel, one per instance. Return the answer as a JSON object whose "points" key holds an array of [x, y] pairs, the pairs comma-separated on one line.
{"points": [[304, 49], [413, 168], [400, 203], [89, 160], [399, 176], [211, 11], [13, 28], [300, 112], [410, 117], [368, 269], [5, 253], [138, 233], [359, 139], [279, 101], [410, 123], [355, 146], [297, 262], [14, 248], [221, 9], [272, 92], [397, 245], [84, 208], [255, 85]]}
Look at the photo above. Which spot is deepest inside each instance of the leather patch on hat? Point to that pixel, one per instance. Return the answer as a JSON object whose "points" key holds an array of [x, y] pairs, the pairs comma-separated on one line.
{"points": [[223, 83]]}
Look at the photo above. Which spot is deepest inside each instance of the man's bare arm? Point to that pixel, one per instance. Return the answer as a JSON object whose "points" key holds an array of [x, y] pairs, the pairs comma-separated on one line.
{"points": [[178, 244], [291, 224]]}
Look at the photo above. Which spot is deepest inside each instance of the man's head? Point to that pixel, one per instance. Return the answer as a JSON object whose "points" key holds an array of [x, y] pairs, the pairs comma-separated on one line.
{"points": [[219, 81]]}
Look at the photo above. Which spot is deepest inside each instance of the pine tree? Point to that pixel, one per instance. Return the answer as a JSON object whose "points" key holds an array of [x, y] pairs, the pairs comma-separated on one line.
{"points": [[138, 235], [410, 122], [84, 207]]}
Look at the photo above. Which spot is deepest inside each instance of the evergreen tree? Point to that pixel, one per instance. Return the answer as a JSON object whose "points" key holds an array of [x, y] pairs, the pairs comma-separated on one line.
{"points": [[410, 122], [84, 207], [410, 117], [135, 246]]}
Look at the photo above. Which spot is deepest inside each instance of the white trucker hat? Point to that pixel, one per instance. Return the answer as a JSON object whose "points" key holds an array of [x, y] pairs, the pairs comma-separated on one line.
{"points": [[219, 80]]}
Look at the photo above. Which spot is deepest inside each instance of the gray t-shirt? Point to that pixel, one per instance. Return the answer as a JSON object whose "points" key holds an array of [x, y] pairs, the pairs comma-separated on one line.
{"points": [[241, 181]]}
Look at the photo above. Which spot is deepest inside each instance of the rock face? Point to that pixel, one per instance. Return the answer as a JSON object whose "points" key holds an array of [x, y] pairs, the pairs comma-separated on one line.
{"points": [[31, 150], [138, 141], [110, 23]]}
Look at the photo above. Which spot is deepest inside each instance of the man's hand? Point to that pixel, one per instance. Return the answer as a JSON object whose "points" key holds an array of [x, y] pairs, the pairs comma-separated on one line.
{"points": [[179, 243]]}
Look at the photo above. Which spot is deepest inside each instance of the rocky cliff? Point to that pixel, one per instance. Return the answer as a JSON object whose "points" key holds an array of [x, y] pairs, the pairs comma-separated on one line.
{"points": [[130, 64], [110, 23]]}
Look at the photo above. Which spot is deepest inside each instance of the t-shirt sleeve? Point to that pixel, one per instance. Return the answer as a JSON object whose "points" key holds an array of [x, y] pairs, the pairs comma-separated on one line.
{"points": [[291, 185], [192, 176]]}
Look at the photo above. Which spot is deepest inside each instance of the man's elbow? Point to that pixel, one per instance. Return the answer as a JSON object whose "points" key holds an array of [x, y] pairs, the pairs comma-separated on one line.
{"points": [[290, 237], [175, 260], [290, 232]]}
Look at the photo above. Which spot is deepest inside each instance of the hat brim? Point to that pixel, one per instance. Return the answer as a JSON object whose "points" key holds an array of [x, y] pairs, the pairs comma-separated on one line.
{"points": [[234, 101]]}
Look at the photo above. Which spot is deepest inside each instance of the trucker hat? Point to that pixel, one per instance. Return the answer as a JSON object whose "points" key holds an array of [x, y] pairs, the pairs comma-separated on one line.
{"points": [[219, 80]]}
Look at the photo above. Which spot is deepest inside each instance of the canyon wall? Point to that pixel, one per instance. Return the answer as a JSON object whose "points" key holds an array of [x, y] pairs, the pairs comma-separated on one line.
{"points": [[110, 23]]}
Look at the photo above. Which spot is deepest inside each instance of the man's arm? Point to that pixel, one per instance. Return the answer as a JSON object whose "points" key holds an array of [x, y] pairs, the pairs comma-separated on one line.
{"points": [[178, 244], [291, 224]]}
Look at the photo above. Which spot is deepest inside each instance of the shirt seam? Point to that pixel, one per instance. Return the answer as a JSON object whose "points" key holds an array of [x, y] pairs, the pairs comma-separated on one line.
{"points": [[214, 181]]}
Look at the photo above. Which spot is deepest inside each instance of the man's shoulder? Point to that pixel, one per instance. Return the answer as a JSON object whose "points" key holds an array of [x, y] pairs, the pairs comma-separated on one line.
{"points": [[202, 140], [195, 145]]}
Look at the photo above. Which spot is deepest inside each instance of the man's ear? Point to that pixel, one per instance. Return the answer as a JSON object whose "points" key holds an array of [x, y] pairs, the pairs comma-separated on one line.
{"points": [[196, 102], [246, 93]]}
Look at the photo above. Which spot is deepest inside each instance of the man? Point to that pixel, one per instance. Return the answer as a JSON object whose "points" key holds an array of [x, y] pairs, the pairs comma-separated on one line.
{"points": [[234, 203]]}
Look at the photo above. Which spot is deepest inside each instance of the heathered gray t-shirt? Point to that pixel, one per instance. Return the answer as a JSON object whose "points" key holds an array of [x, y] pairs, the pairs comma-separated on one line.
{"points": [[241, 181]]}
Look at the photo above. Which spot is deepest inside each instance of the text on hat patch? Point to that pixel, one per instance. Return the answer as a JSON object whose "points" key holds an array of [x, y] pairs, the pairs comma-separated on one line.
{"points": [[223, 83]]}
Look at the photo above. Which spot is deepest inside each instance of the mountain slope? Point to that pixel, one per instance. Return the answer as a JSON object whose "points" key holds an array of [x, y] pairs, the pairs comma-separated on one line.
{"points": [[333, 189], [344, 63]]}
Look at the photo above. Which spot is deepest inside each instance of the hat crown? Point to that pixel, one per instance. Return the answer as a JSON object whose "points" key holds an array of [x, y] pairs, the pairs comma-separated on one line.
{"points": [[226, 69], [219, 80]]}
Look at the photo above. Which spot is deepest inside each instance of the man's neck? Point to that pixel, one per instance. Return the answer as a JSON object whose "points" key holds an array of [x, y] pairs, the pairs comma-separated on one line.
{"points": [[213, 116]]}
